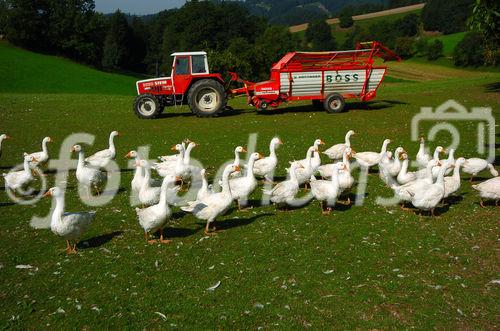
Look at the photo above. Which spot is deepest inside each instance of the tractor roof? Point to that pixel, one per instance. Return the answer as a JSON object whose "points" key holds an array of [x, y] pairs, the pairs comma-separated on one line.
{"points": [[189, 53]]}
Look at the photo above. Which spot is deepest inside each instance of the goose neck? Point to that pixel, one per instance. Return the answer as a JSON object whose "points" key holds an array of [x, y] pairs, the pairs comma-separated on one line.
{"points": [[58, 210], [111, 143]]}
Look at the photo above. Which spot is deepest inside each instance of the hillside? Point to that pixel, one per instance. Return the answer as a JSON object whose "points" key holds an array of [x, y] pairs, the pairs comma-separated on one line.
{"points": [[393, 13], [293, 12], [27, 72]]}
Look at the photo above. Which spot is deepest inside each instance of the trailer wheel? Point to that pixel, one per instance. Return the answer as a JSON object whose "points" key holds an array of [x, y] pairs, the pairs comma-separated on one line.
{"points": [[147, 106], [207, 98], [334, 103]]}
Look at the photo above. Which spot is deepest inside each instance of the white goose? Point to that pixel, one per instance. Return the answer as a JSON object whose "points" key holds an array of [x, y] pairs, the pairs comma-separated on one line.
{"points": [[2, 138], [404, 175], [70, 226], [166, 168], [237, 160], [173, 158], [138, 173], [17, 179], [489, 189], [88, 176], [42, 156], [242, 187], [149, 195], [285, 192], [384, 165], [395, 167], [369, 159], [316, 159], [452, 183], [429, 196], [304, 172], [204, 190], [213, 205], [265, 167], [422, 157], [337, 151], [475, 165], [443, 163], [153, 218], [423, 179], [102, 158], [327, 191], [326, 170]]}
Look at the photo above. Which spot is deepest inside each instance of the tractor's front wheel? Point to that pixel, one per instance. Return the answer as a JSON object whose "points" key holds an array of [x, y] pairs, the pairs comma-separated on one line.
{"points": [[147, 106], [207, 98], [334, 103]]}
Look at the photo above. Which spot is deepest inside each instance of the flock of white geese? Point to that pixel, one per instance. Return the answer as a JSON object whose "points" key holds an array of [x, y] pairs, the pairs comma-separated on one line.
{"points": [[424, 189]]}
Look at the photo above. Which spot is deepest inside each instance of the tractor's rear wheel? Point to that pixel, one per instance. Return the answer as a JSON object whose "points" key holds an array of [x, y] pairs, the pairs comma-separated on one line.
{"points": [[147, 106], [334, 103], [207, 98]]}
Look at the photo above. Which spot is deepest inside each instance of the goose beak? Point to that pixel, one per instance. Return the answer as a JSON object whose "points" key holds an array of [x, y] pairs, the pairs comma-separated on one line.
{"points": [[8, 137], [128, 155], [187, 141], [438, 164], [119, 134], [72, 149], [178, 178], [322, 142], [173, 148], [244, 150], [50, 140], [47, 194], [445, 150], [237, 168], [261, 156], [316, 150], [421, 139], [280, 142]]}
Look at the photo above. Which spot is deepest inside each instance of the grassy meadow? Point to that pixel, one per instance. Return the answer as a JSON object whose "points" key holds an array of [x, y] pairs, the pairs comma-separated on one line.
{"points": [[368, 267]]}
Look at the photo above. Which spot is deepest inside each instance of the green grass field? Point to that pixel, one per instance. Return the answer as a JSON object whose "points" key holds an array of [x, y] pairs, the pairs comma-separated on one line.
{"points": [[366, 267]]}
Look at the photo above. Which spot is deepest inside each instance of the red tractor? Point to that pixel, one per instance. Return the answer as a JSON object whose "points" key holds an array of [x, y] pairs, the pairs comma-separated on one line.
{"points": [[325, 78], [190, 83]]}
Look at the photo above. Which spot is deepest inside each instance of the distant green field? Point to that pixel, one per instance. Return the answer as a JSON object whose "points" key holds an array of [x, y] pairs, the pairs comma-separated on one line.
{"points": [[362, 267], [25, 72], [449, 42]]}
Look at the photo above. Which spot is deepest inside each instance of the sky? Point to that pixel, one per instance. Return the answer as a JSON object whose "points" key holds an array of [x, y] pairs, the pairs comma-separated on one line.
{"points": [[135, 6]]}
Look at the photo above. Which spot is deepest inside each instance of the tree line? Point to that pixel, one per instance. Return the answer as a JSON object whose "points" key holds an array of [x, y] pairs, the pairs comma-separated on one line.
{"points": [[235, 39]]}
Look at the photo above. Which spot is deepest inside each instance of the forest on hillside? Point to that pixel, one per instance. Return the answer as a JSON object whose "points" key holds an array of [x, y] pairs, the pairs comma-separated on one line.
{"points": [[235, 37]]}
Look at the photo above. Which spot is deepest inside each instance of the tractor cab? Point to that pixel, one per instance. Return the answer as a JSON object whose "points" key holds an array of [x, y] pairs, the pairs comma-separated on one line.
{"points": [[190, 83]]}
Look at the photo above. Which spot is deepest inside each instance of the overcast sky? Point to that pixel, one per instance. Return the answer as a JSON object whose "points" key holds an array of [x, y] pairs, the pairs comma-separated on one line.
{"points": [[136, 6]]}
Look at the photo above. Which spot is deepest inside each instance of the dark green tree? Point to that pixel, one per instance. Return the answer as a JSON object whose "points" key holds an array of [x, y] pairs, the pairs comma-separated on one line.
{"points": [[345, 18], [404, 47], [319, 36], [470, 50], [446, 16], [408, 25], [486, 19], [28, 24], [435, 50], [116, 52]]}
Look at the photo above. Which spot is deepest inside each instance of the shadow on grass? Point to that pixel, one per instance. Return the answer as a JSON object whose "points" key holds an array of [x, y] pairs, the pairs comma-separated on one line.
{"points": [[235, 222], [179, 232], [6, 204], [98, 240], [227, 112], [350, 106], [492, 87]]}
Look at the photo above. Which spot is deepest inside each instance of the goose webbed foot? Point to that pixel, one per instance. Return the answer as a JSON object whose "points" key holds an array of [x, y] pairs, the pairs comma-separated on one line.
{"points": [[481, 203], [164, 241]]}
